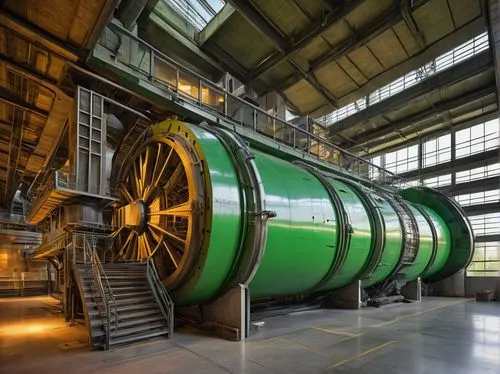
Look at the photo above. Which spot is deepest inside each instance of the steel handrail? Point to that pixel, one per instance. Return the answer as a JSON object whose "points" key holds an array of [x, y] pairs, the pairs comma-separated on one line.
{"points": [[161, 56], [95, 273], [98, 274], [111, 295], [161, 293]]}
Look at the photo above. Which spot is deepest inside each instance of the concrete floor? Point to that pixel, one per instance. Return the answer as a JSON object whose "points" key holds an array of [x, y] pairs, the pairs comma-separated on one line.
{"points": [[440, 335]]}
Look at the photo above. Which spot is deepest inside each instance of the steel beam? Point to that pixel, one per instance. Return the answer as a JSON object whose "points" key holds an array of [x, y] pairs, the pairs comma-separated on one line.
{"points": [[494, 33], [261, 23], [455, 74], [26, 69], [471, 187], [487, 238], [129, 11], [411, 24], [10, 99], [339, 11], [436, 111], [473, 210], [268, 29], [362, 36], [14, 152], [460, 164]]}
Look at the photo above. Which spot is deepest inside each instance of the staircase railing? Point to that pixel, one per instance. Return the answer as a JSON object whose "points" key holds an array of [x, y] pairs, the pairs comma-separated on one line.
{"points": [[104, 288], [161, 295]]}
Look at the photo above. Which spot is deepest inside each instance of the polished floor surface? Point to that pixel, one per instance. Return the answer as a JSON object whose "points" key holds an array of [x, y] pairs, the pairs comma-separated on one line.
{"points": [[439, 335]]}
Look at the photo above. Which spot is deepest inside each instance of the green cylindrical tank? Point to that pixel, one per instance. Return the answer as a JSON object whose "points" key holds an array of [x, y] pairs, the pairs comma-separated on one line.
{"points": [[222, 214]]}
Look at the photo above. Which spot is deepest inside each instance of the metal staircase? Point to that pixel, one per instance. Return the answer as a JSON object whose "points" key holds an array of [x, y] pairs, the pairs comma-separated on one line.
{"points": [[121, 301]]}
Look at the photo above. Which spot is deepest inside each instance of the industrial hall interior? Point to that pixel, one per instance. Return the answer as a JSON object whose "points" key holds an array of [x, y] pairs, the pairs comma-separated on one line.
{"points": [[250, 186]]}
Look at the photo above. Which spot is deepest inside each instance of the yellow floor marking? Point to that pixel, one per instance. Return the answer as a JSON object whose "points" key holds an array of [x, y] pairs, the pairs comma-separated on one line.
{"points": [[418, 313], [305, 345], [362, 354], [343, 333]]}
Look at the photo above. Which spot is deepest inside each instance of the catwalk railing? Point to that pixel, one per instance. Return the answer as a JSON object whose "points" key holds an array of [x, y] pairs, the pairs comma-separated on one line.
{"points": [[169, 75]]}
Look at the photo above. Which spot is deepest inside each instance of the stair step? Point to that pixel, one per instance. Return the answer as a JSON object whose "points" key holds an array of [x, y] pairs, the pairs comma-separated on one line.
{"points": [[93, 310], [157, 319], [124, 316], [123, 295], [138, 337], [124, 302], [137, 329], [130, 289], [129, 282]]}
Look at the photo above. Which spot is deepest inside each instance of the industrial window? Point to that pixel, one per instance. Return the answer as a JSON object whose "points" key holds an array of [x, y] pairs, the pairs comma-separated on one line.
{"points": [[486, 260], [481, 172], [436, 151], [477, 139], [373, 172], [439, 181], [343, 112], [197, 12], [402, 160], [478, 198], [446, 60], [413, 183], [486, 224]]}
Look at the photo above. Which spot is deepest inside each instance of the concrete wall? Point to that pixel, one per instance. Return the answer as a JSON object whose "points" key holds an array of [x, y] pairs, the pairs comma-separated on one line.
{"points": [[453, 286], [476, 284]]}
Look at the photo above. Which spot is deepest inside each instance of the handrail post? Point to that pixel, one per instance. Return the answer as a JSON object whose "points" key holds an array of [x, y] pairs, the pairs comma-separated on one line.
{"points": [[151, 64], [254, 119], [200, 96], [225, 105], [274, 128], [161, 294]]}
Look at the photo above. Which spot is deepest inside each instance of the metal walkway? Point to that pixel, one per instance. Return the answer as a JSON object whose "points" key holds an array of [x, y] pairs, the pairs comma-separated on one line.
{"points": [[148, 72]]}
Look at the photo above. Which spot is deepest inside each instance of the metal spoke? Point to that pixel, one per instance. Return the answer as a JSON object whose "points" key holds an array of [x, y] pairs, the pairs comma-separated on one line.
{"points": [[156, 179], [158, 153], [115, 233], [147, 243], [155, 236], [146, 183], [174, 179], [134, 246], [125, 193], [164, 167], [157, 176], [137, 181], [127, 244], [133, 184], [143, 247], [167, 232], [173, 256], [181, 210]]}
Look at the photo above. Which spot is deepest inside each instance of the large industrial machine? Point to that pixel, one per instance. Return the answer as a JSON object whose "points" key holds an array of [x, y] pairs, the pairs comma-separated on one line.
{"points": [[223, 215]]}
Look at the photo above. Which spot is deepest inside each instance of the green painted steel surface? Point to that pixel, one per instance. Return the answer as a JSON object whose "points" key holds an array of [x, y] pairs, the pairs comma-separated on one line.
{"points": [[360, 238], [302, 238], [460, 229], [225, 229], [302, 241], [391, 252], [443, 242], [425, 247]]}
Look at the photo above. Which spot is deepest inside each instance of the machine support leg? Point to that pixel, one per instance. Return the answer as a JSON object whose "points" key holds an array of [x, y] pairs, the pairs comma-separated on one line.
{"points": [[348, 297], [229, 315], [413, 290]]}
